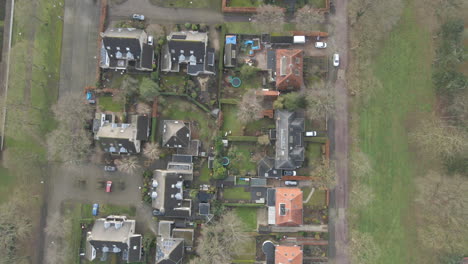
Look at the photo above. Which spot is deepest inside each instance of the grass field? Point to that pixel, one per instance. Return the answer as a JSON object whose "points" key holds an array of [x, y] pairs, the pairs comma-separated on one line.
{"points": [[404, 68], [249, 28], [211, 4], [106, 103], [318, 199], [245, 3], [237, 193], [230, 121], [248, 216]]}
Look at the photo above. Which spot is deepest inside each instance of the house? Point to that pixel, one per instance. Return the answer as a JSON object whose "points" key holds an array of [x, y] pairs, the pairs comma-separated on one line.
{"points": [[190, 49], [289, 140], [126, 48], [168, 196], [288, 255], [114, 235], [266, 168], [172, 242], [176, 134], [285, 206], [230, 51], [289, 68], [182, 165], [120, 138]]}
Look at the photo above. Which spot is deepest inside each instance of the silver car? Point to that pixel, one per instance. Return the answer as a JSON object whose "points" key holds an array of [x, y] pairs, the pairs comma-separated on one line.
{"points": [[336, 60], [138, 17]]}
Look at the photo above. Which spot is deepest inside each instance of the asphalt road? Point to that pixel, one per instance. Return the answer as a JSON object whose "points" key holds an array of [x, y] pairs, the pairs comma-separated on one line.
{"points": [[79, 45]]}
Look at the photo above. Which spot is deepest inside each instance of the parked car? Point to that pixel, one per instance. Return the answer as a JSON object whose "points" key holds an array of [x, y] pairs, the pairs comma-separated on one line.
{"points": [[95, 209], [138, 17], [336, 60], [90, 97], [150, 40], [108, 186], [291, 183], [311, 133], [320, 45], [289, 173], [110, 168]]}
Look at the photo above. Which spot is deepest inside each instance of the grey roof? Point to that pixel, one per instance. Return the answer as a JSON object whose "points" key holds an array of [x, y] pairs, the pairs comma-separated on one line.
{"points": [[271, 60], [271, 197], [182, 158], [281, 39], [266, 168], [192, 149], [147, 56], [176, 134], [186, 233], [268, 249], [169, 250], [204, 208], [171, 200], [289, 145], [258, 182], [230, 55], [142, 128], [134, 252]]}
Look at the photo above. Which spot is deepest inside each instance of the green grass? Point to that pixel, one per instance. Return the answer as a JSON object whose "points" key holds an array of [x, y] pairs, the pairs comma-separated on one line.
{"points": [[106, 103], [6, 181], [248, 216], [212, 4], [236, 193], [404, 68], [204, 174], [246, 253], [249, 28], [176, 108], [313, 153], [245, 3], [318, 199], [230, 120], [239, 155]]}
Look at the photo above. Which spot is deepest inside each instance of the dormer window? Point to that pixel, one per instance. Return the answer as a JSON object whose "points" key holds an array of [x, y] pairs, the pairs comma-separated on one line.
{"points": [[127, 48], [117, 48], [108, 47]]}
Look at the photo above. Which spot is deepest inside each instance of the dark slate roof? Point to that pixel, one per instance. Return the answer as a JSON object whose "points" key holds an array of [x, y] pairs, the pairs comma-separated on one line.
{"points": [[281, 39], [204, 208], [181, 158], [147, 56], [271, 60], [230, 54], [195, 69], [113, 45], [268, 249], [186, 49], [134, 252], [289, 145], [271, 197], [257, 193], [265, 168], [142, 128], [258, 182], [175, 133], [170, 202], [111, 145], [176, 254]]}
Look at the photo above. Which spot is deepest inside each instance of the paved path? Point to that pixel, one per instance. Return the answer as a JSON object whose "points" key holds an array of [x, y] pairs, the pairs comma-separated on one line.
{"points": [[79, 45], [156, 14], [341, 135]]}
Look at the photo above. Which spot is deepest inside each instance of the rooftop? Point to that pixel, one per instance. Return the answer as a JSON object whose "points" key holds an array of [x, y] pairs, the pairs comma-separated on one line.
{"points": [[288, 255], [289, 66], [289, 137], [288, 206], [176, 134]]}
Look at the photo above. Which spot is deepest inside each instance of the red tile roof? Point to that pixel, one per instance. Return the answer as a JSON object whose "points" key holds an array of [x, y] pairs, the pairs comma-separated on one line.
{"points": [[288, 206], [289, 64], [268, 93], [288, 255]]}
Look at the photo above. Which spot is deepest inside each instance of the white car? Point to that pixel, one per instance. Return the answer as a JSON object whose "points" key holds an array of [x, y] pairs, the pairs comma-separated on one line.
{"points": [[311, 133], [150, 40], [138, 17], [320, 45], [291, 183], [336, 60]]}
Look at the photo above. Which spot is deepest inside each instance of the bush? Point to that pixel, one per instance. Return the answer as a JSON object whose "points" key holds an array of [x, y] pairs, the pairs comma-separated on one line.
{"points": [[188, 26], [155, 76]]}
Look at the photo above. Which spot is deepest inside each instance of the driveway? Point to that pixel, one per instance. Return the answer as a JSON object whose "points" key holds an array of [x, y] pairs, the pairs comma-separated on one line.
{"points": [[79, 45]]}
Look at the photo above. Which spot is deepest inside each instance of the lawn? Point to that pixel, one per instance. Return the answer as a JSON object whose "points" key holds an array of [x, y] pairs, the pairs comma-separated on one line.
{"points": [[248, 216], [318, 198], [240, 161], [236, 193], [205, 174], [230, 120], [176, 108], [249, 28], [247, 252], [6, 181], [212, 4], [107, 103], [245, 3], [173, 82], [403, 66]]}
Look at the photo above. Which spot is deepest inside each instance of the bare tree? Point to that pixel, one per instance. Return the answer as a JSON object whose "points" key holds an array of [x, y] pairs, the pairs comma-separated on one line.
{"points": [[129, 85], [434, 136], [269, 18], [362, 248], [127, 164], [320, 101], [57, 229], [152, 151], [326, 176], [249, 109], [263, 140], [72, 110], [143, 109], [308, 18], [68, 145]]}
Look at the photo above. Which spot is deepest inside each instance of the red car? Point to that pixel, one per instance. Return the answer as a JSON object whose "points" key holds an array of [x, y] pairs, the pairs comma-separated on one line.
{"points": [[108, 186]]}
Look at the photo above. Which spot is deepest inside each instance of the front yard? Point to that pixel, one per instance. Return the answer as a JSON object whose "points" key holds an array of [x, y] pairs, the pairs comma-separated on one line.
{"points": [[236, 193], [248, 216]]}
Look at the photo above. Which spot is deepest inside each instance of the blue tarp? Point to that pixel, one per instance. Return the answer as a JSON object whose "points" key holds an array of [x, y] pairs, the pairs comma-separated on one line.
{"points": [[231, 39]]}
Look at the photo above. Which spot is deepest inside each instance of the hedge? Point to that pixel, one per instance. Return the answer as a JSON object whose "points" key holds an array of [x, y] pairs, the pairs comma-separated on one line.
{"points": [[154, 122], [243, 204], [242, 138], [322, 140], [230, 101]]}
